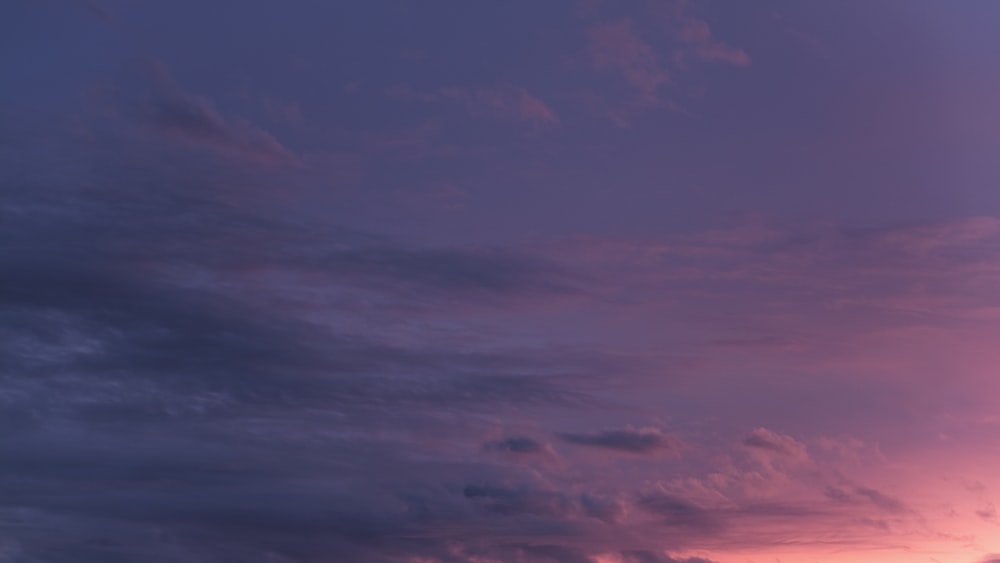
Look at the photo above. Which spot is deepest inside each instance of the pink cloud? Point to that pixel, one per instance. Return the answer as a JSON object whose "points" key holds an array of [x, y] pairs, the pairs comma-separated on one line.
{"points": [[922, 239], [532, 109], [652, 53], [616, 46], [695, 33], [771, 444]]}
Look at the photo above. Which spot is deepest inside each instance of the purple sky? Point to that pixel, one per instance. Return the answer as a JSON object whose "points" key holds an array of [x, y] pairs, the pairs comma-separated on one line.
{"points": [[583, 281]]}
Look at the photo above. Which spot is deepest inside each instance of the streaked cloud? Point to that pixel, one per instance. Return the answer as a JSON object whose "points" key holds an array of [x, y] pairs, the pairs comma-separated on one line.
{"points": [[776, 444], [192, 119], [511, 103], [629, 440]]}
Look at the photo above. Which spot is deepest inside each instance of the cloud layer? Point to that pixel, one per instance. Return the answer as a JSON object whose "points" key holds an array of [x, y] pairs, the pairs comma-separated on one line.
{"points": [[592, 282]]}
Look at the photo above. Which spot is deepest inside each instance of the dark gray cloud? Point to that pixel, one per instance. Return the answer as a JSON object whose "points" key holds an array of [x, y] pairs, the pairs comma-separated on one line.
{"points": [[529, 553], [865, 494], [603, 508], [555, 554], [837, 494], [988, 512], [160, 404], [637, 556], [630, 440], [84, 317], [516, 445], [881, 500], [511, 501], [678, 512]]}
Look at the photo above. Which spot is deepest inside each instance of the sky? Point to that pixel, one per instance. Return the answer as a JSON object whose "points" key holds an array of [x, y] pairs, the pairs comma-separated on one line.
{"points": [[440, 281]]}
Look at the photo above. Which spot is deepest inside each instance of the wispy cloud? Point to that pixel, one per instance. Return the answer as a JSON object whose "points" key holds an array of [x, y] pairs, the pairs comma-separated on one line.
{"points": [[629, 440], [679, 512], [136, 308], [777, 444], [616, 46], [880, 499], [511, 103], [517, 445], [513, 502], [193, 119], [288, 113], [988, 512]]}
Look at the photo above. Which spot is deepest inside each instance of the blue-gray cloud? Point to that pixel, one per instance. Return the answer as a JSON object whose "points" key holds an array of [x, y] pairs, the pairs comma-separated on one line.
{"points": [[630, 440], [160, 406], [516, 445]]}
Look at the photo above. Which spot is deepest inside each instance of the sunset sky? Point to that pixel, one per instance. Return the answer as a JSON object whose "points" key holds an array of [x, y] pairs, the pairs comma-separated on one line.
{"points": [[519, 281]]}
